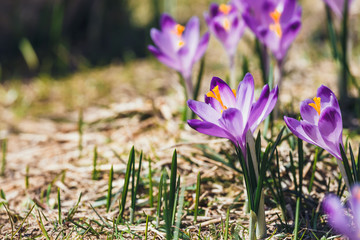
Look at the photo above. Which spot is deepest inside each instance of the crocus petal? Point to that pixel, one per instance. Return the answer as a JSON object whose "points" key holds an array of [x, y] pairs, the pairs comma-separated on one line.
{"points": [[204, 111], [245, 95], [330, 128], [328, 97], [167, 22], [288, 11], [163, 58], [354, 202], [227, 95], [337, 6], [314, 134], [204, 41], [209, 128], [214, 9], [213, 103], [220, 32], [308, 113], [232, 121], [289, 34], [163, 42], [296, 128], [263, 107], [336, 215]]}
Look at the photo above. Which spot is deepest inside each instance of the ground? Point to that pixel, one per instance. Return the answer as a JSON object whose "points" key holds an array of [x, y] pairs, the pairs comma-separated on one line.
{"points": [[139, 104]]}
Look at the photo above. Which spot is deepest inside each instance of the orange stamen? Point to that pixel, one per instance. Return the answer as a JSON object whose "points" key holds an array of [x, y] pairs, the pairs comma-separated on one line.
{"points": [[179, 29], [225, 9], [316, 105], [276, 27], [215, 93]]}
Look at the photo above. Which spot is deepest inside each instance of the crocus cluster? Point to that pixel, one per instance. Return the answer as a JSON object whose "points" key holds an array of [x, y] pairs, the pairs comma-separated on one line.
{"points": [[321, 122], [337, 6], [230, 113], [275, 23], [179, 47], [226, 25], [340, 218]]}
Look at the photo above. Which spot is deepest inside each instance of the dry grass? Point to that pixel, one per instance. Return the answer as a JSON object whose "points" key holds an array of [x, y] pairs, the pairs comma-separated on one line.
{"points": [[139, 104]]}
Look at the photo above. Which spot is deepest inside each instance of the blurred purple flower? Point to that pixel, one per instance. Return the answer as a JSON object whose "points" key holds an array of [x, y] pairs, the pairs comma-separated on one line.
{"points": [[321, 122], [337, 6], [239, 4], [339, 218], [224, 21], [275, 23], [179, 47], [230, 114]]}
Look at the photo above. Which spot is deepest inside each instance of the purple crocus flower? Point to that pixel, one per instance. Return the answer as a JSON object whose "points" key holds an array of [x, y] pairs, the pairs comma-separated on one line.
{"points": [[337, 6], [230, 114], [275, 23], [338, 216], [179, 47], [321, 122], [227, 26]]}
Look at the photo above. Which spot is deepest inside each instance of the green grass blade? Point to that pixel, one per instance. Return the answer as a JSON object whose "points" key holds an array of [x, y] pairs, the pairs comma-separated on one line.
{"points": [[297, 216], [197, 196], [301, 164], [179, 213], [227, 224], [159, 200], [331, 31], [22, 223], [126, 184], [353, 164], [108, 198], [41, 226], [151, 196], [59, 205], [74, 209], [27, 177], [80, 131], [199, 78], [146, 227], [94, 173], [167, 212], [135, 185], [317, 150], [173, 178], [3, 159], [345, 161]]}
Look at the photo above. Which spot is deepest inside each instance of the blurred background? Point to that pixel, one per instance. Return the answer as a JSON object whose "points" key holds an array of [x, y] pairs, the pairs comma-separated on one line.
{"points": [[60, 36], [105, 42]]}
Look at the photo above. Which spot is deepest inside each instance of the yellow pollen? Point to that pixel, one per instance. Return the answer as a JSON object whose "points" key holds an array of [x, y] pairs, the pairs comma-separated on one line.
{"points": [[225, 9], [226, 24], [316, 104], [179, 29], [181, 44], [215, 93], [276, 27]]}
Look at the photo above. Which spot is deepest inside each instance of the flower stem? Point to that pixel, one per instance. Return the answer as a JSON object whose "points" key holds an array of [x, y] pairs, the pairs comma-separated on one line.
{"points": [[278, 74], [260, 218], [343, 172], [264, 60], [252, 226], [344, 37], [232, 71]]}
